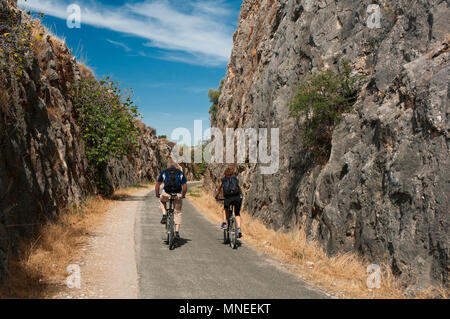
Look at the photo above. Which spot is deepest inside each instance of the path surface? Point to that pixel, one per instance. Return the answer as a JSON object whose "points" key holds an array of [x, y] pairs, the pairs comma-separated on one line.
{"points": [[108, 261], [127, 258], [203, 267]]}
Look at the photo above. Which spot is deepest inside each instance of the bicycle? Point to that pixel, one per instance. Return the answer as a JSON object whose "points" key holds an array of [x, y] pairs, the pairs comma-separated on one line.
{"points": [[170, 224], [230, 234]]}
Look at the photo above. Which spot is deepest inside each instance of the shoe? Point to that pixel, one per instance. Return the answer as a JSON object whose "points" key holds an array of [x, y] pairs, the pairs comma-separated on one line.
{"points": [[177, 237], [164, 219], [239, 233], [224, 226]]}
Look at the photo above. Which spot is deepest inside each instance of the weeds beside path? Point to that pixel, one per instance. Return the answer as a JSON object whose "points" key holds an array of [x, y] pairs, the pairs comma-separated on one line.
{"points": [[40, 269]]}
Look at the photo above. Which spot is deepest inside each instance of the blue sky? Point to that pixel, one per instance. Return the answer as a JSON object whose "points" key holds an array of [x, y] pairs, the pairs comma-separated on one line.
{"points": [[171, 52]]}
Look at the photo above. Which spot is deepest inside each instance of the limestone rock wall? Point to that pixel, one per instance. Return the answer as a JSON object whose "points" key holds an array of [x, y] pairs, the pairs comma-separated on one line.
{"points": [[384, 192]]}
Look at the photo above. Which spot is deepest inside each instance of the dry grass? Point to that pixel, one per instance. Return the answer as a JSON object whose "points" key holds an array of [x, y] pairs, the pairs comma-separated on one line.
{"points": [[38, 38], [342, 276], [41, 268], [41, 37], [85, 71]]}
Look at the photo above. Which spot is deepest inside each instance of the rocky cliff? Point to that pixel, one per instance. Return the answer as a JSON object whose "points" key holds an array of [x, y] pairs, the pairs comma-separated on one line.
{"points": [[384, 192], [43, 167]]}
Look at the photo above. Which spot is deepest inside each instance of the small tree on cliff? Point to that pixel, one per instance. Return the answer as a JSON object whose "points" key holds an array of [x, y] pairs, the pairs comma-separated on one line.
{"points": [[107, 118], [322, 99], [214, 96]]}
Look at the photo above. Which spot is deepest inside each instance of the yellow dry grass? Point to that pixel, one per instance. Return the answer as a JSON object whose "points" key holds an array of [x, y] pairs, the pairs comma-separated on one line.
{"points": [[41, 36], [85, 71], [40, 268], [343, 276]]}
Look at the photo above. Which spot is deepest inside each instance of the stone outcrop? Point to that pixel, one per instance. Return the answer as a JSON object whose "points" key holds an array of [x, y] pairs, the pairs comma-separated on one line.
{"points": [[384, 192], [43, 167]]}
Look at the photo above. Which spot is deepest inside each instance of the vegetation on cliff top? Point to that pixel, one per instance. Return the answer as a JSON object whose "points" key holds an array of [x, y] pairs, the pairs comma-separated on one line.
{"points": [[322, 99], [15, 43]]}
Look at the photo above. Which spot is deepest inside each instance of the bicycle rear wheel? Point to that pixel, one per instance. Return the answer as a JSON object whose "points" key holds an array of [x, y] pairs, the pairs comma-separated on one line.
{"points": [[226, 232], [225, 236], [233, 233], [171, 232]]}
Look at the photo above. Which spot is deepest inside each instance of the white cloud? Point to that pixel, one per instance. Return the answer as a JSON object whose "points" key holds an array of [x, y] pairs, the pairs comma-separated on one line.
{"points": [[119, 44], [197, 30]]}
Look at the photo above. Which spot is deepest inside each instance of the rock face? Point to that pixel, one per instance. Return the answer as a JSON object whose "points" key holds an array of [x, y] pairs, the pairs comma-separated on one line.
{"points": [[384, 192], [43, 167]]}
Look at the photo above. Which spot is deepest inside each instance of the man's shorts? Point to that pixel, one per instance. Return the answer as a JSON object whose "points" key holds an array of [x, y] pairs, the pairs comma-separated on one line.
{"points": [[177, 203], [236, 201]]}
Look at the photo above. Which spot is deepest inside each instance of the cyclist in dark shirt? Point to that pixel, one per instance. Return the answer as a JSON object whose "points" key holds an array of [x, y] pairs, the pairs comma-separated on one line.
{"points": [[230, 181]]}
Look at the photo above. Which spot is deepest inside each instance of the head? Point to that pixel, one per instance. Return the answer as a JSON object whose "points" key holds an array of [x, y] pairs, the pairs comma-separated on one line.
{"points": [[171, 163], [230, 171]]}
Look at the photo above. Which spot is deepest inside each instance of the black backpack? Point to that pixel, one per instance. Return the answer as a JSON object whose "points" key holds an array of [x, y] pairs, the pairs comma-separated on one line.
{"points": [[172, 181], [231, 186]]}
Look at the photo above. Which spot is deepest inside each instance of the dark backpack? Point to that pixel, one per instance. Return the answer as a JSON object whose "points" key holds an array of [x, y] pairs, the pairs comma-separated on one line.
{"points": [[172, 182], [231, 186]]}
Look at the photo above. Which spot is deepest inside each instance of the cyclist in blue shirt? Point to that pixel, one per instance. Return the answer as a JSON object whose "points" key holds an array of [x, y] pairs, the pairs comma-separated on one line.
{"points": [[174, 183]]}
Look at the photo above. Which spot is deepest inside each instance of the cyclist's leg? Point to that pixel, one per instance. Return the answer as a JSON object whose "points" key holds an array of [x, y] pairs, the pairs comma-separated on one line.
{"points": [[226, 208], [178, 204], [237, 211], [163, 199]]}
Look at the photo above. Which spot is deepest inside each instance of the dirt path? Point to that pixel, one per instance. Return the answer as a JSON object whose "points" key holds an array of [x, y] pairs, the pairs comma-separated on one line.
{"points": [[108, 261]]}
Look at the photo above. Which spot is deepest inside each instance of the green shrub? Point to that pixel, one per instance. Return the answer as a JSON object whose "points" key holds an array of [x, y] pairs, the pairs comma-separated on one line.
{"points": [[214, 96], [199, 169], [162, 136], [321, 100], [108, 124]]}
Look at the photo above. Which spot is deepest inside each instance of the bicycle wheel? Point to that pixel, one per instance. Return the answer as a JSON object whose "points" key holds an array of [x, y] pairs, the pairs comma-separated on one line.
{"points": [[226, 232], [233, 234], [171, 232], [225, 236]]}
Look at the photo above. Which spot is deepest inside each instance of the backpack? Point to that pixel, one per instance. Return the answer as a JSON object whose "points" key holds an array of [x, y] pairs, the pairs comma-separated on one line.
{"points": [[231, 186], [172, 181]]}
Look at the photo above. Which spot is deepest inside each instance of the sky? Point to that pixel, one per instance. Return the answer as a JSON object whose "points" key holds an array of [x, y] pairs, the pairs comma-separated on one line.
{"points": [[170, 52]]}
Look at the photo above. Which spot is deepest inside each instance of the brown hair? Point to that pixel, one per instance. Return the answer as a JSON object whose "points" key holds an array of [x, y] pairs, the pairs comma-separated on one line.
{"points": [[230, 171]]}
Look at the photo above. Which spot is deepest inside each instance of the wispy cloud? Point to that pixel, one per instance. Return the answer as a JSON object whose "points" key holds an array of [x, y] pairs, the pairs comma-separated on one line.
{"points": [[196, 90], [196, 31], [119, 44]]}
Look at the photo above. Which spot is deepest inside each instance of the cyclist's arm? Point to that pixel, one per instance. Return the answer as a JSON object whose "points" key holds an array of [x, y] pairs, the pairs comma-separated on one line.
{"points": [[184, 182], [158, 184], [184, 190]]}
